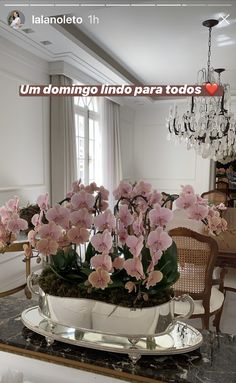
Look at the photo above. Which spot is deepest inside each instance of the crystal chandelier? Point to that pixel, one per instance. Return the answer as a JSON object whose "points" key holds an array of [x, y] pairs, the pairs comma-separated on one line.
{"points": [[208, 125]]}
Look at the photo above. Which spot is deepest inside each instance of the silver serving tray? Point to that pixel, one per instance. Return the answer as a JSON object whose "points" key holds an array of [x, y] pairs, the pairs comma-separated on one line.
{"points": [[182, 338]]}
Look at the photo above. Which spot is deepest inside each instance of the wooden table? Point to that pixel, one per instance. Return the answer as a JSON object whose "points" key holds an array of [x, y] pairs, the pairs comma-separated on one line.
{"points": [[227, 240]]}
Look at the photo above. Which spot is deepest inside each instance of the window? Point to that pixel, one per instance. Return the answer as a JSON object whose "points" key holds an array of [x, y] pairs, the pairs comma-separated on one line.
{"points": [[88, 140]]}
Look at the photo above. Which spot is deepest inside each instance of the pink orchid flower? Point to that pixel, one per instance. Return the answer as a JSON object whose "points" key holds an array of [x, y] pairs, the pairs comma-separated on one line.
{"points": [[143, 188], [134, 268], [201, 201], [76, 186], [135, 244], [187, 189], [138, 225], [102, 242], [82, 199], [125, 216], [81, 218], [50, 230], [142, 204], [43, 201], [13, 204], [185, 201], [198, 212], [118, 263], [78, 235], [122, 233], [153, 278], [32, 237], [216, 225], [221, 206], [15, 224], [155, 197], [158, 240], [104, 205], [47, 246], [160, 216], [104, 193], [212, 212], [99, 279], [105, 220], [36, 221], [130, 286], [91, 188], [156, 256], [103, 261], [5, 214], [60, 215], [124, 189]]}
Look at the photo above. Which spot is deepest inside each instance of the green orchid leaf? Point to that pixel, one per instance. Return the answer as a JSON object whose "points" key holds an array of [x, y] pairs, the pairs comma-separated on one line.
{"points": [[90, 252]]}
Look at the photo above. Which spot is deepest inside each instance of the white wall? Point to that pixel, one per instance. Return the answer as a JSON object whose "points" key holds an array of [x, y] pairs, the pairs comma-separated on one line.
{"points": [[149, 156], [24, 138], [24, 126]]}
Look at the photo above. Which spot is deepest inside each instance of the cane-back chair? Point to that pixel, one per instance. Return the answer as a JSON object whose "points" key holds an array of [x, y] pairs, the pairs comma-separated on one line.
{"points": [[196, 259], [215, 197]]}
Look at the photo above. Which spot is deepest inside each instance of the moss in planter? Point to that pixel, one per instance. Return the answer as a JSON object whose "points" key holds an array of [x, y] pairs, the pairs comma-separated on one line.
{"points": [[53, 285]]}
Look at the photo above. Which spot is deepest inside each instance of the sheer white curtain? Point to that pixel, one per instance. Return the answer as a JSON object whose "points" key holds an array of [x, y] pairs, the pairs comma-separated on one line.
{"points": [[111, 150], [63, 141]]}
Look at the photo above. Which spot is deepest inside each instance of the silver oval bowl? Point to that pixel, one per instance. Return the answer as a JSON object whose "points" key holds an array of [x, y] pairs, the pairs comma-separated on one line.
{"points": [[106, 318]]}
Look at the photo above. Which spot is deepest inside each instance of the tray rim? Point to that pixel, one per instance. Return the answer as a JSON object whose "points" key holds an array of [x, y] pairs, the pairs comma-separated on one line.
{"points": [[93, 345]]}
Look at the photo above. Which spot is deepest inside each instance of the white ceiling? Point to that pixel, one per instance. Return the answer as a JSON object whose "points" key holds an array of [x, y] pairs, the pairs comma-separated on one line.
{"points": [[157, 44]]}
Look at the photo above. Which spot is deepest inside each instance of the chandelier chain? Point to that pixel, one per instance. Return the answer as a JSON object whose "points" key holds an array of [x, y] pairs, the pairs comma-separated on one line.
{"points": [[209, 56]]}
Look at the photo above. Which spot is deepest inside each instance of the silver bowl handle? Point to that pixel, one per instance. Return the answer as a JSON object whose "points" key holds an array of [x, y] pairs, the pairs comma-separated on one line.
{"points": [[32, 283], [185, 298]]}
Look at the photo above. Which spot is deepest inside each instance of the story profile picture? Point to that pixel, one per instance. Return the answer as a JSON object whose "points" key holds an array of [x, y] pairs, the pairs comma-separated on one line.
{"points": [[16, 19]]}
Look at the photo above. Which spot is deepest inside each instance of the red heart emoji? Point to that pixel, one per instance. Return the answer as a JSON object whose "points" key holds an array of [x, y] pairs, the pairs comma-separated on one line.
{"points": [[211, 88]]}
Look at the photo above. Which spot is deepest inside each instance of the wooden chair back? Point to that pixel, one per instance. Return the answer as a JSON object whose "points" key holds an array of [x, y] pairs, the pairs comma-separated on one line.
{"points": [[15, 247], [196, 259], [215, 197]]}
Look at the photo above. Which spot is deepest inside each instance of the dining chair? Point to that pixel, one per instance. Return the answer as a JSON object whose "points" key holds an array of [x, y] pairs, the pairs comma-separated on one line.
{"points": [[168, 199], [197, 254], [215, 197], [15, 248], [223, 186]]}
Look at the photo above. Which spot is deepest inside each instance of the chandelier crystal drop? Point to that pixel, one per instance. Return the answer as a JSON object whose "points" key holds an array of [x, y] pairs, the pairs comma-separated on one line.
{"points": [[208, 125]]}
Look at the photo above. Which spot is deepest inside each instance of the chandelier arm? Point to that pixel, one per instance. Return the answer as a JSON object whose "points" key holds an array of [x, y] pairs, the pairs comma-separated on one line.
{"points": [[191, 129], [169, 128], [192, 105], [175, 129], [222, 107], [225, 132]]}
